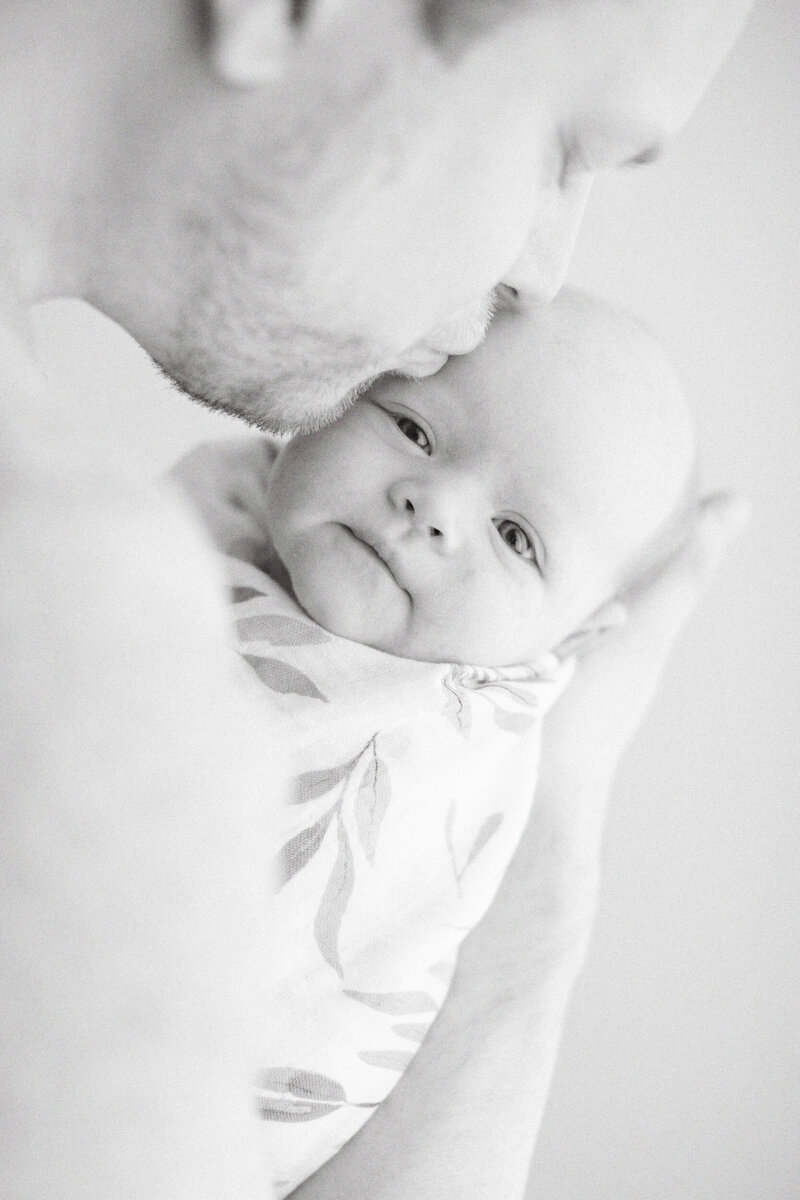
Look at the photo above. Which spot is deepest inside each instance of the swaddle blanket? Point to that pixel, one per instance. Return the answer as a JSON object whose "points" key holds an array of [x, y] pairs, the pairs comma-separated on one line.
{"points": [[411, 784]]}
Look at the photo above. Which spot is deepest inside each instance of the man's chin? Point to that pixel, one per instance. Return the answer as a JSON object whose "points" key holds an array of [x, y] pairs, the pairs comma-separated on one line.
{"points": [[309, 410], [284, 408]]}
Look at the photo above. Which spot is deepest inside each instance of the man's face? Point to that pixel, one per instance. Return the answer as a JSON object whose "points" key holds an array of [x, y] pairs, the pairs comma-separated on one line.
{"points": [[354, 216]]}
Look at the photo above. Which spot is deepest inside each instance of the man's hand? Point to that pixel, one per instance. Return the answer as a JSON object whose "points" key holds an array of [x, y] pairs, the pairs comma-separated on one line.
{"points": [[587, 732]]}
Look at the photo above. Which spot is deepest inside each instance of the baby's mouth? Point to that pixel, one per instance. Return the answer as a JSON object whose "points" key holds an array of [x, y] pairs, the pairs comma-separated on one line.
{"points": [[372, 549], [368, 545]]}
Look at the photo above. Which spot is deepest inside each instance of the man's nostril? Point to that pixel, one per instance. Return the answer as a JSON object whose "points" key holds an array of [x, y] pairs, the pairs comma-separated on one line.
{"points": [[409, 506], [434, 532]]}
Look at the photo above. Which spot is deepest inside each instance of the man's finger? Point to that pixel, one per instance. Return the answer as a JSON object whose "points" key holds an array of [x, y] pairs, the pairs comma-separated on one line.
{"points": [[660, 608]]}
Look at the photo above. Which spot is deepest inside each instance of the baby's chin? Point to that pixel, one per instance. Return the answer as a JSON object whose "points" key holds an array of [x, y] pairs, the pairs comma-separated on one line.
{"points": [[385, 617], [444, 642], [417, 646], [348, 623], [353, 623]]}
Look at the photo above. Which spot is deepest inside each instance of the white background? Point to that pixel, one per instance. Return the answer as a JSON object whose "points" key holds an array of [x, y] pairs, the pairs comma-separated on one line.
{"points": [[679, 1077]]}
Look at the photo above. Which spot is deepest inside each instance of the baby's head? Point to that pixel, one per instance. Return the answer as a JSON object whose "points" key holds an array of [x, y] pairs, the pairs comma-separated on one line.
{"points": [[492, 511]]}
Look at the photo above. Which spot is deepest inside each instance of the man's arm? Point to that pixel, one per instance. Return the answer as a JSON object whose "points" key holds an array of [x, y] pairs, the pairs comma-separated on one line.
{"points": [[133, 844], [464, 1118]]}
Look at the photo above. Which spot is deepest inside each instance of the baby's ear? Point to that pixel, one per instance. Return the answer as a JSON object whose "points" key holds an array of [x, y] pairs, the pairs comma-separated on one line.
{"points": [[608, 616]]}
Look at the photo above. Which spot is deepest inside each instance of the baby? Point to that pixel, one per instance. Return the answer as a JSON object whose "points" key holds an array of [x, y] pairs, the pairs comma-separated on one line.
{"points": [[416, 577], [486, 514]]}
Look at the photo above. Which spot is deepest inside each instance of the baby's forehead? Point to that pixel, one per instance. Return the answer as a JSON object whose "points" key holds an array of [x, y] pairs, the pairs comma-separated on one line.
{"points": [[583, 405], [576, 364], [521, 385]]}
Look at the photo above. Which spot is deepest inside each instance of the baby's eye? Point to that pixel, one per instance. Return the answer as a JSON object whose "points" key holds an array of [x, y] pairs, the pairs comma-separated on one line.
{"points": [[414, 432], [516, 538]]}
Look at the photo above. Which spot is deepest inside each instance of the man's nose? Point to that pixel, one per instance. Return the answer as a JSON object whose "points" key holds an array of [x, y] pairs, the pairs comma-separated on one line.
{"points": [[540, 270], [430, 510]]}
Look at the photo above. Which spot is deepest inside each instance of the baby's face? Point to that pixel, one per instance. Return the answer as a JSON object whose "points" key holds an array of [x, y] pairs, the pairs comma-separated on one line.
{"points": [[477, 516]]}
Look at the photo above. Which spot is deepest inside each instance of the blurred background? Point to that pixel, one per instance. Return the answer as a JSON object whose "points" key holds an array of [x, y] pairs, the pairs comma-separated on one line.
{"points": [[679, 1074]]}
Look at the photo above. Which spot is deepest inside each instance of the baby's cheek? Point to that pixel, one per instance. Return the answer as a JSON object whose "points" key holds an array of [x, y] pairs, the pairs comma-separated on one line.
{"points": [[532, 634], [345, 593], [443, 626], [504, 620]]}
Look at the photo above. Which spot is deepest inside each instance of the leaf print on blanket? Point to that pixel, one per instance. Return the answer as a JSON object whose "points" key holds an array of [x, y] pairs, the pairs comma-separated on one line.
{"points": [[391, 1060], [518, 691], [280, 677], [312, 784], [412, 1031], [398, 1004], [288, 1094], [486, 832], [513, 722], [294, 855], [370, 805], [443, 970], [279, 630], [372, 801], [328, 920], [303, 846]]}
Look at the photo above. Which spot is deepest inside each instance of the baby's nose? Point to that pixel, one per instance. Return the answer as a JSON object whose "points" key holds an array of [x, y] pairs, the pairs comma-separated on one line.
{"points": [[431, 512], [420, 520]]}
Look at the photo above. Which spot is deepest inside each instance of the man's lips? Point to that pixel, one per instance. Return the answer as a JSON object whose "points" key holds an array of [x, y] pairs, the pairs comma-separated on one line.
{"points": [[460, 335]]}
